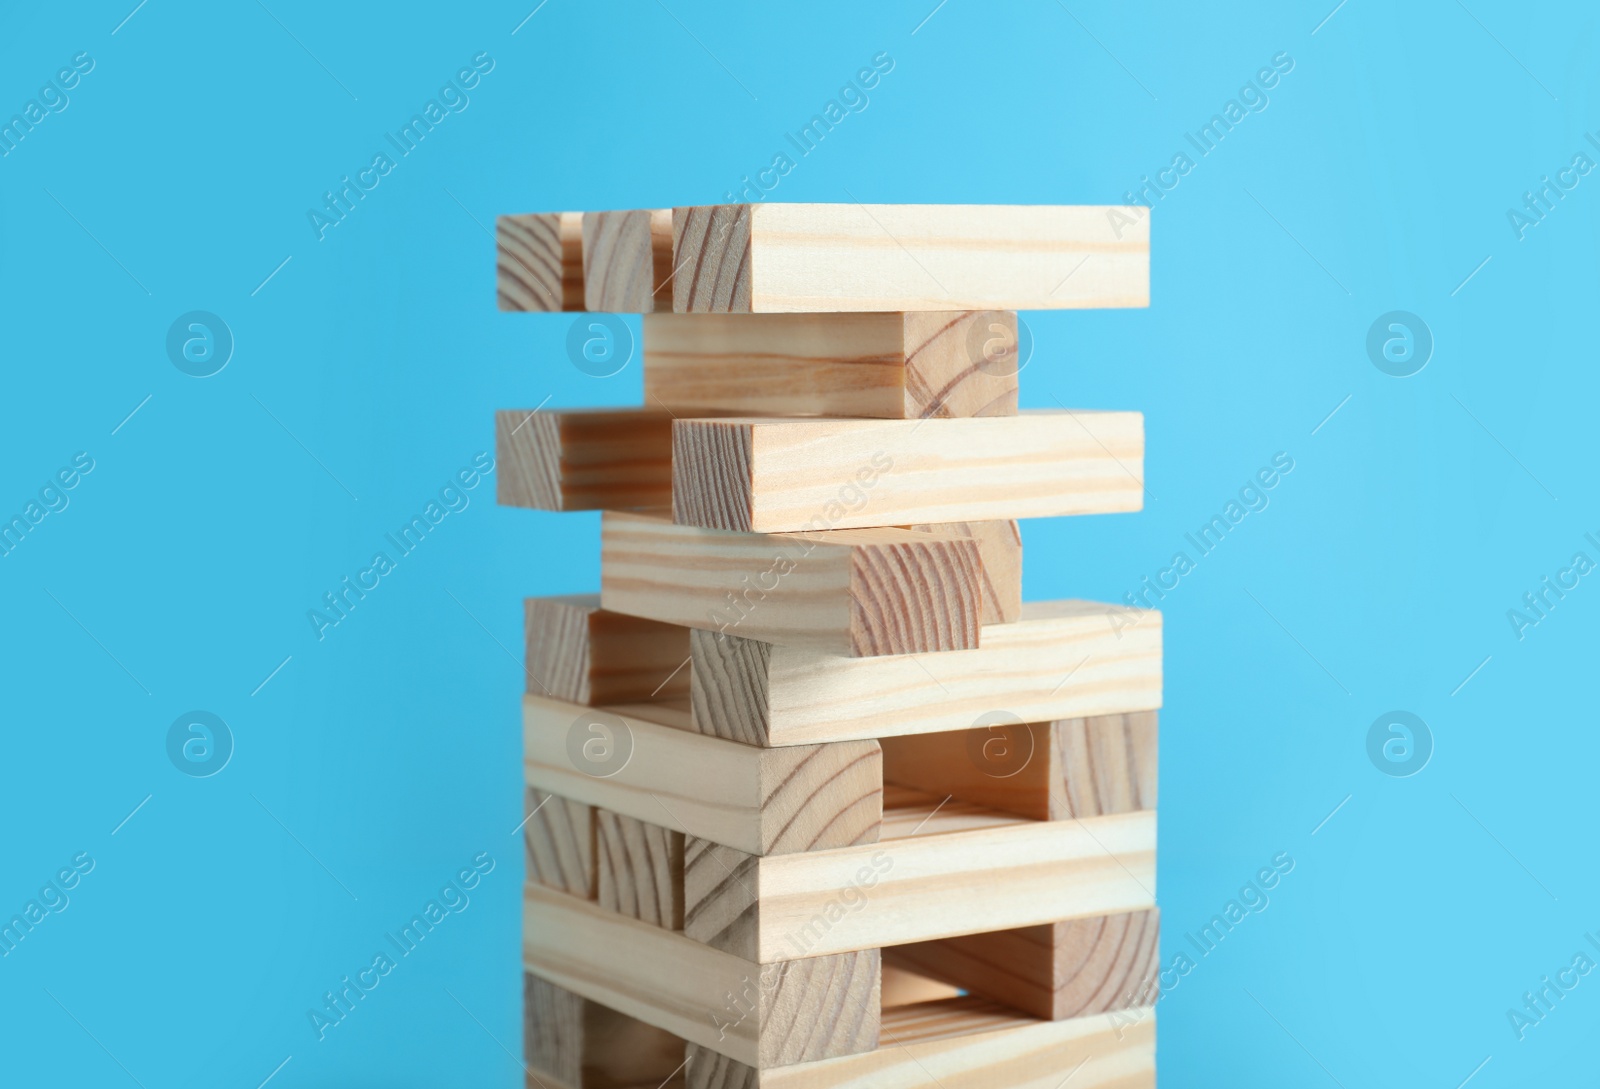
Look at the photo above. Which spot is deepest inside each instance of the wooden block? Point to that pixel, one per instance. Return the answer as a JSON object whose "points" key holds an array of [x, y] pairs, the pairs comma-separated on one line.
{"points": [[1081, 767], [1055, 971], [796, 1012], [578, 652], [768, 475], [572, 1043], [965, 1043], [559, 841], [896, 366], [1000, 557], [640, 869], [627, 260], [539, 261], [762, 801], [585, 459], [1062, 659], [903, 986], [855, 593], [933, 884], [785, 258]]}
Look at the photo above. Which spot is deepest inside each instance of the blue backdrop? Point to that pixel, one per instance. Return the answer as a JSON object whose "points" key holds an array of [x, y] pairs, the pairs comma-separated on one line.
{"points": [[1387, 190]]}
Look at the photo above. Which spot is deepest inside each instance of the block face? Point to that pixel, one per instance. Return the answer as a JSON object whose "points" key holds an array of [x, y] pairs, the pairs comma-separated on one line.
{"points": [[580, 653], [1108, 765], [822, 1007], [855, 593], [592, 459], [552, 1031], [539, 261], [775, 258], [818, 796], [893, 366], [1063, 659], [626, 257], [640, 869], [559, 841], [570, 1042], [722, 892], [999, 561], [784, 475]]}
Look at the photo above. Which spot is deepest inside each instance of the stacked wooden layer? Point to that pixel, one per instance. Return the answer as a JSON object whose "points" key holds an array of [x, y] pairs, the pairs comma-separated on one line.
{"points": [[815, 800]]}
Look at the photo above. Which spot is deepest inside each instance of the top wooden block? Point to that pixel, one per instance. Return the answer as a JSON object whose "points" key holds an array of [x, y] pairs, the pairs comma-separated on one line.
{"points": [[830, 258]]}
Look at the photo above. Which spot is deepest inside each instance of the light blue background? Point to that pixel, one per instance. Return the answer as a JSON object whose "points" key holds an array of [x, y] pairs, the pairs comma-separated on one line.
{"points": [[380, 759]]}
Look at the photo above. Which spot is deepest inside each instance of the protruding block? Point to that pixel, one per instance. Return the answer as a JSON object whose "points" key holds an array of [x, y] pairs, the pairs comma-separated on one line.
{"points": [[763, 801], [571, 1043], [559, 839], [539, 261], [855, 593], [795, 1012], [1056, 971], [1000, 556], [579, 652], [781, 475], [895, 366], [627, 260], [1083, 767], [640, 869], [1062, 659], [1001, 875], [784, 258], [588, 459]]}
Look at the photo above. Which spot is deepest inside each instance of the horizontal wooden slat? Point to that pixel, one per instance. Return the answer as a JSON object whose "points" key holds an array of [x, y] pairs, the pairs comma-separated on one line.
{"points": [[1062, 659], [770, 475], [919, 888], [808, 1009], [893, 365], [775, 258], [762, 801], [850, 592]]}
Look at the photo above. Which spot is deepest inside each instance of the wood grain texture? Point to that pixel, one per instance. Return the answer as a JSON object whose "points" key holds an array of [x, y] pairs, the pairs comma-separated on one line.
{"points": [[1055, 971], [794, 1012], [769, 475], [928, 885], [964, 1043], [1062, 659], [1000, 560], [570, 1042], [782, 258], [1082, 767], [640, 869], [855, 593], [579, 652], [559, 842], [539, 261], [893, 366], [627, 260], [583, 459], [762, 801]]}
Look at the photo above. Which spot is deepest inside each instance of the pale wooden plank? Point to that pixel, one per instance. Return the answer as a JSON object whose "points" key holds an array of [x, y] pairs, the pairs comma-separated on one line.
{"points": [[777, 258], [583, 459], [851, 592], [893, 365], [763, 801], [1079, 767], [1058, 970], [627, 260], [640, 869], [1062, 659], [926, 886], [1000, 559], [771, 475], [559, 842], [579, 652], [802, 1010], [570, 1042], [539, 261], [965, 1043]]}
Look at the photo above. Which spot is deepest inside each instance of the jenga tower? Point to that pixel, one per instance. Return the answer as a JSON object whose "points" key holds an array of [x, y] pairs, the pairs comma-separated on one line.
{"points": [[817, 800]]}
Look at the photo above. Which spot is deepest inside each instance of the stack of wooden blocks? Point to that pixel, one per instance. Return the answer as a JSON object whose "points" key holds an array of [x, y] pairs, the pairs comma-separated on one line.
{"points": [[816, 799]]}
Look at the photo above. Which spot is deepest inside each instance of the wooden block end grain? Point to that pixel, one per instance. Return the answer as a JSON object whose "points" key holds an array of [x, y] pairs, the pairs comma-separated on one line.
{"points": [[570, 1042], [559, 839], [539, 261], [627, 260], [640, 869], [580, 653], [591, 459], [711, 250]]}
